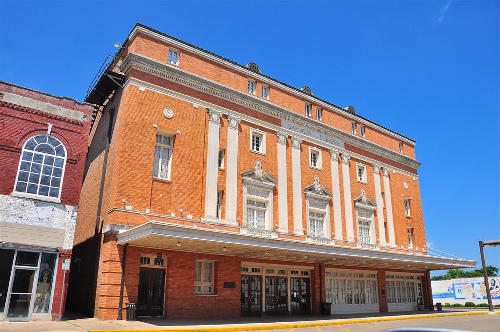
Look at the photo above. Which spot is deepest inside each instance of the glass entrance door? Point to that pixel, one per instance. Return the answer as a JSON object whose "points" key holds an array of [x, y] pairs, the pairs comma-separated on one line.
{"points": [[151, 292], [21, 294], [276, 295], [301, 296], [251, 295]]}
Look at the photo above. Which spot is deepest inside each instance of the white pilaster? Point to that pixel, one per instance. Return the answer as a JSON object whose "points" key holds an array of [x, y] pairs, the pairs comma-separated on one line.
{"points": [[297, 187], [337, 207], [388, 207], [282, 184], [212, 164], [380, 204], [232, 169], [347, 197]]}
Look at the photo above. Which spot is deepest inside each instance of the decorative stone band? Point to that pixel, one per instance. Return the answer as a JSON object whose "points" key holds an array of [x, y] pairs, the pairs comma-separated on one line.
{"points": [[177, 75]]}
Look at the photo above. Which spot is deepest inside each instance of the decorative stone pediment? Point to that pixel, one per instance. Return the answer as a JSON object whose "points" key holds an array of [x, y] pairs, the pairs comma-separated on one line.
{"points": [[365, 202], [317, 190], [258, 176]]}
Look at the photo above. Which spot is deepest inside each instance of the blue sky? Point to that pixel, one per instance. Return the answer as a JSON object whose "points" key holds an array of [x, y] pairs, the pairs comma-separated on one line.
{"points": [[427, 69]]}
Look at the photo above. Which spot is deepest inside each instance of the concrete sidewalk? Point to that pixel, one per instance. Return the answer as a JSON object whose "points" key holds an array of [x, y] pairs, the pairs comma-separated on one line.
{"points": [[264, 323]]}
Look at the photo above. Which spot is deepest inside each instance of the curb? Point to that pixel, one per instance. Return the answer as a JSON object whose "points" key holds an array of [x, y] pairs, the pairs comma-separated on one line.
{"points": [[271, 326]]}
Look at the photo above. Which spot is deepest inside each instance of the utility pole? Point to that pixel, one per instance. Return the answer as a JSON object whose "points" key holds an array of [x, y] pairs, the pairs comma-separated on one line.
{"points": [[485, 271]]}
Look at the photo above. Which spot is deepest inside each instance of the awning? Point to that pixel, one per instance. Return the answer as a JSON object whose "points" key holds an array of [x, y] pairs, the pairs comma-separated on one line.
{"points": [[200, 239]]}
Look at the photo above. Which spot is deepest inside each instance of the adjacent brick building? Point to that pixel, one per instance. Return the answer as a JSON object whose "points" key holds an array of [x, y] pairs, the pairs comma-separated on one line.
{"points": [[213, 190], [43, 144]]}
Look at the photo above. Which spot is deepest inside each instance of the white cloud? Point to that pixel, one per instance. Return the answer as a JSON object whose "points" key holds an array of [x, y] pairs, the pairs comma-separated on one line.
{"points": [[444, 11]]}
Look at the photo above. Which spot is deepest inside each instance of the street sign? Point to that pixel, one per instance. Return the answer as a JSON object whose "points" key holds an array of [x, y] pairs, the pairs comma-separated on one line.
{"points": [[65, 264]]}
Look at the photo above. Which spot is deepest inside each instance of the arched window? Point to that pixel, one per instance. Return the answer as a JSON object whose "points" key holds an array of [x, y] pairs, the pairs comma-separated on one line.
{"points": [[41, 167]]}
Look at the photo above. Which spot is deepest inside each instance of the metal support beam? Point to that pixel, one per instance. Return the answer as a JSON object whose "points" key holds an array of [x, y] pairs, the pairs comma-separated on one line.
{"points": [[485, 273]]}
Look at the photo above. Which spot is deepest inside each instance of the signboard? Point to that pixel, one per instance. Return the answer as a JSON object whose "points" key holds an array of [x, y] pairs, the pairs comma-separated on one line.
{"points": [[465, 290], [65, 264], [312, 133]]}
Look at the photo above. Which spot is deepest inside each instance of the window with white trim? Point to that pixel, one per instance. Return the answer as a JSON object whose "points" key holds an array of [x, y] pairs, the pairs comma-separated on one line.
{"points": [[362, 130], [265, 91], [316, 220], [257, 141], [220, 196], [319, 113], [220, 162], [353, 127], [41, 167], [403, 288], [256, 214], [308, 108], [315, 158], [351, 287], [163, 156], [204, 277], [173, 57], [361, 173], [407, 207], [251, 86], [365, 225], [410, 237]]}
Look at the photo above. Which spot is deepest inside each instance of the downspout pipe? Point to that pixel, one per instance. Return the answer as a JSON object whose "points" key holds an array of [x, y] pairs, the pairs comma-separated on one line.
{"points": [[120, 304]]}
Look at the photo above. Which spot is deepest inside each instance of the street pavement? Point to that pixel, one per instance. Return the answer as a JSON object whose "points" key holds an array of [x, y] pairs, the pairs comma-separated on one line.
{"points": [[484, 322]]}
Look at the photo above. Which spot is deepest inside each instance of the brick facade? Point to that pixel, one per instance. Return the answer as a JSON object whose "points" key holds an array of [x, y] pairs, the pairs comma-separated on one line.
{"points": [[205, 91]]}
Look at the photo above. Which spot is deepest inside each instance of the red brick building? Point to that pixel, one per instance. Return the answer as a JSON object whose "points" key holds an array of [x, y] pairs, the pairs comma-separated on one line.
{"points": [[215, 190], [43, 144]]}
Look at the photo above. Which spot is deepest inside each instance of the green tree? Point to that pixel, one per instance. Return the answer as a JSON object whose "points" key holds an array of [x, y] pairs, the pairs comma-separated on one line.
{"points": [[455, 274]]}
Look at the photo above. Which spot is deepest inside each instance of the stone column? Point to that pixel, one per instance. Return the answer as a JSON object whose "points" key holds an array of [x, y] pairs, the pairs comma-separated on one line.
{"points": [[347, 197], [297, 187], [232, 169], [282, 184], [337, 209], [380, 205], [212, 164], [388, 207]]}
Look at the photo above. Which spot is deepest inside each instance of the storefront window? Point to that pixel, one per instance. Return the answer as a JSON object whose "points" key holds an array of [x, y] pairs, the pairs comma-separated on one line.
{"points": [[6, 257], [44, 285]]}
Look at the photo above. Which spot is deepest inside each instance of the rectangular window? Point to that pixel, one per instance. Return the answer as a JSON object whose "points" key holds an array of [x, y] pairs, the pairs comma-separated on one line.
{"points": [[163, 157], [353, 128], [314, 158], [265, 92], [256, 214], [173, 57], [361, 173], [308, 109], [252, 85], [410, 238], [401, 147], [257, 143], [319, 114], [407, 207], [204, 277], [316, 224], [362, 131], [220, 195], [222, 152], [364, 232]]}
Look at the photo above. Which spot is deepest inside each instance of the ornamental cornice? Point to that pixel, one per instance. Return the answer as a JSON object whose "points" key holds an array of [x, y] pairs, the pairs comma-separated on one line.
{"points": [[334, 154], [176, 75], [376, 168], [345, 158], [386, 171]]}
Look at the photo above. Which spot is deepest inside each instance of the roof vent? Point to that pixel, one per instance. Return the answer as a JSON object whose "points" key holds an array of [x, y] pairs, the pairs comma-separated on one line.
{"points": [[350, 109], [307, 90], [253, 67]]}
